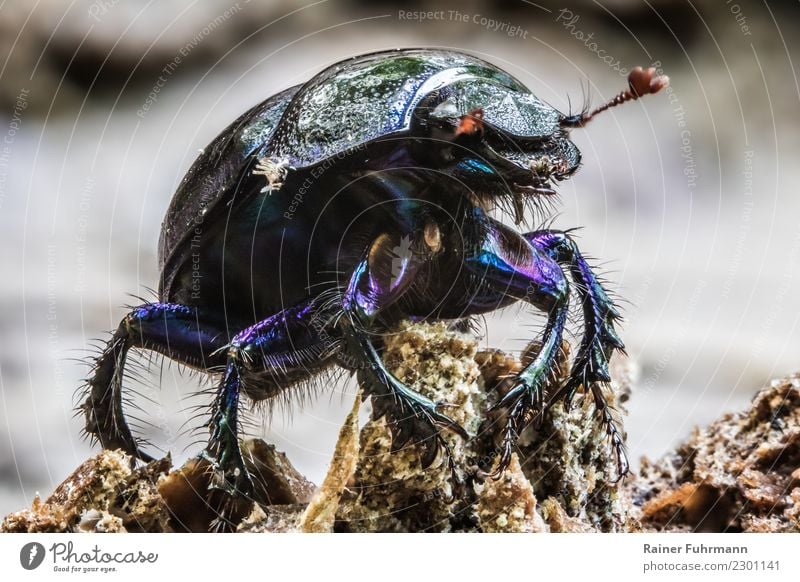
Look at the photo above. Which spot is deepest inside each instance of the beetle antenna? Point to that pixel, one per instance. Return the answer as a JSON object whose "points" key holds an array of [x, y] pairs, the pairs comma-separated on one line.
{"points": [[640, 82]]}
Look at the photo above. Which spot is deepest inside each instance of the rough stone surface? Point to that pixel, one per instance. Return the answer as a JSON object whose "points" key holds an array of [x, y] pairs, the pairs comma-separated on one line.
{"points": [[741, 473]]}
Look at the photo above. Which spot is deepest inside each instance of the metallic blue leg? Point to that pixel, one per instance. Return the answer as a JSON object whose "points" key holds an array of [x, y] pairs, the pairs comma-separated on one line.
{"points": [[386, 272], [176, 331], [600, 339], [263, 360], [508, 263]]}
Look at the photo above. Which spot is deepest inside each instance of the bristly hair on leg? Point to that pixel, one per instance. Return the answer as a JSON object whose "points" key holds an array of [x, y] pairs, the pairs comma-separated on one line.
{"points": [[294, 397]]}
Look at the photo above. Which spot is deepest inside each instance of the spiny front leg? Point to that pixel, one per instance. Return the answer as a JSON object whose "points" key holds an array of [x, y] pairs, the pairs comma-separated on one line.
{"points": [[386, 272], [177, 331], [507, 263], [600, 339]]}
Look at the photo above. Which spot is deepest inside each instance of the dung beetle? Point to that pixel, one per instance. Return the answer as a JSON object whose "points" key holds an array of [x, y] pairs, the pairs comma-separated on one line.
{"points": [[330, 212]]}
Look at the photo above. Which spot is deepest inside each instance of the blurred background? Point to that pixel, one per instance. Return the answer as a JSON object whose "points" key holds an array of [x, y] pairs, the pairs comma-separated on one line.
{"points": [[688, 199]]}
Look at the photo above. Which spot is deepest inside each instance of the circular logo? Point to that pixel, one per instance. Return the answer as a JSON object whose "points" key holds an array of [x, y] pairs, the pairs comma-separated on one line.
{"points": [[31, 555]]}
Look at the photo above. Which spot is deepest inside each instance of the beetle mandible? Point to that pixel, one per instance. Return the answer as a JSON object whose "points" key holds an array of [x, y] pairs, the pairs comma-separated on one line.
{"points": [[279, 252]]}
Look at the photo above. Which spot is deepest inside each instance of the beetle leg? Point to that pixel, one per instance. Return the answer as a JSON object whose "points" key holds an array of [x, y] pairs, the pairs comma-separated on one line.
{"points": [[506, 262], [263, 360], [173, 330], [600, 339], [386, 272]]}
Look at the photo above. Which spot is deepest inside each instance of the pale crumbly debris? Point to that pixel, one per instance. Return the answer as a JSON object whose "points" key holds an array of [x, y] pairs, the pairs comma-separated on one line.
{"points": [[320, 514], [103, 494], [508, 504], [95, 521], [389, 490], [273, 519]]}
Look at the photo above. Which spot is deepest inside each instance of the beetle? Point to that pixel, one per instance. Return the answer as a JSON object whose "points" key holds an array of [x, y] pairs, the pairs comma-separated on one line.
{"points": [[325, 215]]}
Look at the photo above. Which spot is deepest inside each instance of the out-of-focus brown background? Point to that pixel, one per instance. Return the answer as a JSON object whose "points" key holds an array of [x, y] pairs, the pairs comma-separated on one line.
{"points": [[688, 199]]}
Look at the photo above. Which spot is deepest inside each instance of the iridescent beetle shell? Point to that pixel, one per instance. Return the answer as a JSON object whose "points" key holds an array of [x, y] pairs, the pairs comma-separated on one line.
{"points": [[378, 96]]}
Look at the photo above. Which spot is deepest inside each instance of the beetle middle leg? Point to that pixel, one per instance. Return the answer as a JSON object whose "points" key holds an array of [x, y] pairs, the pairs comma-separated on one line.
{"points": [[386, 272], [263, 360]]}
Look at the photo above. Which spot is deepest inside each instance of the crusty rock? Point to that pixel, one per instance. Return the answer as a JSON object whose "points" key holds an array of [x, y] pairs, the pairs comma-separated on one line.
{"points": [[320, 514], [103, 494], [738, 474], [389, 491], [508, 504], [741, 473]]}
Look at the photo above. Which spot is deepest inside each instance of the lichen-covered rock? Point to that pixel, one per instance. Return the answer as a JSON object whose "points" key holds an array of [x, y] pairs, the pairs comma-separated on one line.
{"points": [[196, 506], [741, 473], [106, 495], [274, 519], [566, 459]]}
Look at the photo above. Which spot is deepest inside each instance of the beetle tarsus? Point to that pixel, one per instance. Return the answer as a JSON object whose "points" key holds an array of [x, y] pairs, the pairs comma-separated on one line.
{"points": [[223, 451], [413, 418], [105, 418], [606, 418]]}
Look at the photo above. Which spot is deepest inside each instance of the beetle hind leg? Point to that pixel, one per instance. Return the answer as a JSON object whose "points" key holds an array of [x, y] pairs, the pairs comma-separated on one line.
{"points": [[176, 331]]}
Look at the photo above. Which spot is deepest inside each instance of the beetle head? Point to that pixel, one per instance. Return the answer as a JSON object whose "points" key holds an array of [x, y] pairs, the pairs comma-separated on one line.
{"points": [[492, 162], [515, 136]]}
